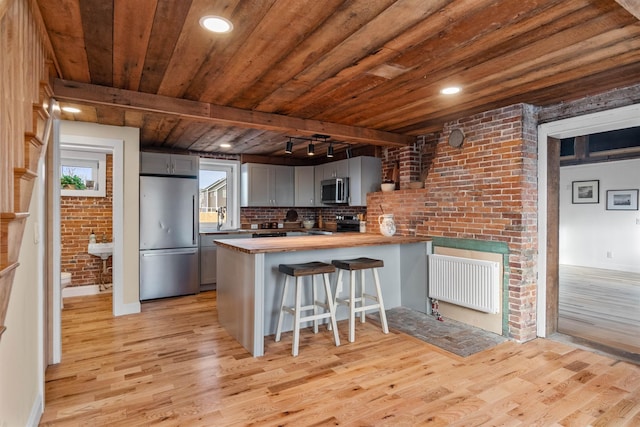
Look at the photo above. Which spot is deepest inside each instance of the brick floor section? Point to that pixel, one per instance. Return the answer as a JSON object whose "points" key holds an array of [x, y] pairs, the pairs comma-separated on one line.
{"points": [[450, 335]]}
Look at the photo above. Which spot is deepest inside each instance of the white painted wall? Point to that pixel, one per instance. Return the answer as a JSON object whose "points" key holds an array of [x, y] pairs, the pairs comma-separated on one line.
{"points": [[588, 232], [21, 373]]}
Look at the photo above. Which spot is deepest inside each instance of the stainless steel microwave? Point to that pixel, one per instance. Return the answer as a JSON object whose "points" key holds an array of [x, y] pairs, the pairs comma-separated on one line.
{"points": [[335, 191]]}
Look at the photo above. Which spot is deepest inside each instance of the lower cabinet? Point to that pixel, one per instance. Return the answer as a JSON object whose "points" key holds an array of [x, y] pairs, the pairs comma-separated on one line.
{"points": [[208, 255], [208, 265]]}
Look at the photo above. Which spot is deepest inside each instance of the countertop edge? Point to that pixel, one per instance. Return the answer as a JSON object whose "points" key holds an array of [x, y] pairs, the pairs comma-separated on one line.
{"points": [[316, 242]]}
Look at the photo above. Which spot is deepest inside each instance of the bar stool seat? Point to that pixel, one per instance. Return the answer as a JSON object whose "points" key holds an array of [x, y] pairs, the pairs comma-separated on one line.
{"points": [[299, 271], [360, 304]]}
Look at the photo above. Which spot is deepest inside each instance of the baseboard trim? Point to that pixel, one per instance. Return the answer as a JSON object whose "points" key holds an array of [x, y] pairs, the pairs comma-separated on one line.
{"points": [[124, 309], [37, 409], [76, 291]]}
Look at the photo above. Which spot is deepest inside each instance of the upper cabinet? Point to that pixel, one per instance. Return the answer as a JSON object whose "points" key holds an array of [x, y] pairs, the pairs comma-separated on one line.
{"points": [[266, 185], [337, 169], [286, 186], [305, 186], [169, 164], [365, 176], [364, 173]]}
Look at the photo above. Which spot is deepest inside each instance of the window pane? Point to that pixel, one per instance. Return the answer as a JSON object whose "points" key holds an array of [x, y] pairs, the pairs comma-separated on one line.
{"points": [[83, 172], [567, 147], [219, 194], [213, 196], [614, 140]]}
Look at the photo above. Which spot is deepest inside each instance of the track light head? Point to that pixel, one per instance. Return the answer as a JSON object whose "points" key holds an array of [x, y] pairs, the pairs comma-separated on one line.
{"points": [[330, 150], [349, 152], [289, 148], [311, 149]]}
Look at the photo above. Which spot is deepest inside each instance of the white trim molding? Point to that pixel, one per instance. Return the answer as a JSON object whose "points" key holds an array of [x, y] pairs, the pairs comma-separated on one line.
{"points": [[603, 121]]}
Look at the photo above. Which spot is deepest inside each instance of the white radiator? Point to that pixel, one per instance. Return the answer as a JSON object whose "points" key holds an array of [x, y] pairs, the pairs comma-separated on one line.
{"points": [[467, 282]]}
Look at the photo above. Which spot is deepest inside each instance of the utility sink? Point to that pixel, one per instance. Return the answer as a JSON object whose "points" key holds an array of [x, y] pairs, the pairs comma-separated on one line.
{"points": [[101, 250]]}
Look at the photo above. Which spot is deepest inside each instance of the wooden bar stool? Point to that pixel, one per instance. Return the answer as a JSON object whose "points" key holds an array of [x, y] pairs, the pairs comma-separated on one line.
{"points": [[299, 271], [358, 304]]}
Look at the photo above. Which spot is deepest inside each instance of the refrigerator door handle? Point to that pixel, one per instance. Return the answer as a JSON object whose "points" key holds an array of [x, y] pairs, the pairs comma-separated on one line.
{"points": [[170, 252], [193, 223]]}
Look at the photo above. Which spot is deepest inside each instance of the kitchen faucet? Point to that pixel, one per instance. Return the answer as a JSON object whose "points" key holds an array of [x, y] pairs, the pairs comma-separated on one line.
{"points": [[222, 210]]}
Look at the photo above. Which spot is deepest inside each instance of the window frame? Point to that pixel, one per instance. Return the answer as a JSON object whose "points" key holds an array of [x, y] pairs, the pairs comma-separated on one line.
{"points": [[99, 159], [232, 218]]}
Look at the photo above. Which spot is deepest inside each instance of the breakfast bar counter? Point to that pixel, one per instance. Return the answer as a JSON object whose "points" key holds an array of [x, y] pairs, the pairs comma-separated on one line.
{"points": [[249, 286], [304, 243]]}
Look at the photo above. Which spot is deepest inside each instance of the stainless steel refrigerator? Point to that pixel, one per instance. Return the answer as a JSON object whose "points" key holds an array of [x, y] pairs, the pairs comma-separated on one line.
{"points": [[168, 237]]}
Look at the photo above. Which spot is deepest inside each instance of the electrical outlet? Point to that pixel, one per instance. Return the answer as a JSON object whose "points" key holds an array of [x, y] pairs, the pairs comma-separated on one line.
{"points": [[609, 254], [637, 221]]}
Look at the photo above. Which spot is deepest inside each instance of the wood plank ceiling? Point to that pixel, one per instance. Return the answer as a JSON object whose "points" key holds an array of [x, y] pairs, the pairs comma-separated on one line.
{"points": [[364, 72]]}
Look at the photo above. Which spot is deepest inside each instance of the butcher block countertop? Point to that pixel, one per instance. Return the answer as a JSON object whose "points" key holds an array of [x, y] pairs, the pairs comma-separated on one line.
{"points": [[315, 242]]}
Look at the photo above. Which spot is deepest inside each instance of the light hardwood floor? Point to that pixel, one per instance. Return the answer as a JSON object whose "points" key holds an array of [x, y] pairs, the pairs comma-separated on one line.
{"points": [[602, 306], [174, 365]]}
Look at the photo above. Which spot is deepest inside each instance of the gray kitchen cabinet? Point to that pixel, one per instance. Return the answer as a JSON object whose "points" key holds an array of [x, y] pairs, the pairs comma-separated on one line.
{"points": [[365, 176], [266, 185], [364, 172], [208, 254], [169, 164], [337, 169], [304, 186]]}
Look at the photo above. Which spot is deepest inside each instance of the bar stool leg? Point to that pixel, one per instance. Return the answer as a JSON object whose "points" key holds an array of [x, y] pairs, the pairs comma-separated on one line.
{"points": [[352, 307], [281, 315], [296, 320], [335, 295], [362, 296], [314, 298], [332, 309], [383, 315]]}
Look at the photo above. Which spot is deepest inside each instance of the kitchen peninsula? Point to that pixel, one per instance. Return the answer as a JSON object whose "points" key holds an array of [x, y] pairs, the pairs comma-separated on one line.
{"points": [[249, 284]]}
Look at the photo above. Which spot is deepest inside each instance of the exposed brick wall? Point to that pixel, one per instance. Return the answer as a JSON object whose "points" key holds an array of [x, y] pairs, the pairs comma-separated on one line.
{"points": [[78, 217], [485, 190], [268, 214]]}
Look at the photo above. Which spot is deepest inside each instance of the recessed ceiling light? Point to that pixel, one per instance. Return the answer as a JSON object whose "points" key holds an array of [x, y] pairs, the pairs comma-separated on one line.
{"points": [[216, 24], [71, 109], [225, 145], [450, 90]]}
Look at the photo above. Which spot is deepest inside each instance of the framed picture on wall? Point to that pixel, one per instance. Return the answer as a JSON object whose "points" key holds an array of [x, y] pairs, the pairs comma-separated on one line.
{"points": [[586, 191], [622, 200]]}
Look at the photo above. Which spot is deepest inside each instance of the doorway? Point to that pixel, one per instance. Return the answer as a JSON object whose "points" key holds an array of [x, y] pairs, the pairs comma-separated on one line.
{"points": [[87, 143], [548, 194]]}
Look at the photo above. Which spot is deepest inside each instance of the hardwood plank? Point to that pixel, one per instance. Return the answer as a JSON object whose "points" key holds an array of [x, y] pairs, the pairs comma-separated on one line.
{"points": [[162, 42], [67, 37], [173, 364], [131, 20], [192, 47], [273, 90], [600, 306], [97, 26], [272, 40]]}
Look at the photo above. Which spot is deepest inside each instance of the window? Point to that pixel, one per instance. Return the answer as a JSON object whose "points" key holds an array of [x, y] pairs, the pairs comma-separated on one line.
{"points": [[83, 173], [219, 194]]}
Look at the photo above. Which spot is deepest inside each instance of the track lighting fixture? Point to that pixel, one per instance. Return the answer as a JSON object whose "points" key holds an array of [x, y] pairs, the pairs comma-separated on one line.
{"points": [[311, 149], [349, 153], [289, 148], [330, 150]]}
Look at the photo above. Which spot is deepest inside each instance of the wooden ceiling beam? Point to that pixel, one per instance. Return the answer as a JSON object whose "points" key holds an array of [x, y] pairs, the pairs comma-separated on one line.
{"points": [[65, 90]]}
